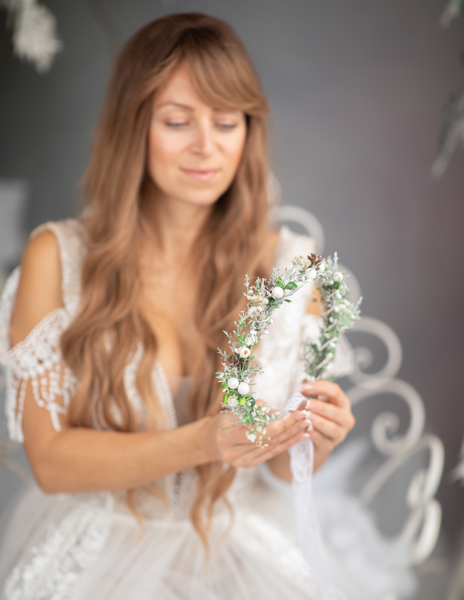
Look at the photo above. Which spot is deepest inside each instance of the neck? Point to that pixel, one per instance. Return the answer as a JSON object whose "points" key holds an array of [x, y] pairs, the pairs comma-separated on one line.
{"points": [[175, 224]]}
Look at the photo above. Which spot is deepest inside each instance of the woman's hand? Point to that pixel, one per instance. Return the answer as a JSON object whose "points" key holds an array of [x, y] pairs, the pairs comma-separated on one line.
{"points": [[330, 414], [229, 443]]}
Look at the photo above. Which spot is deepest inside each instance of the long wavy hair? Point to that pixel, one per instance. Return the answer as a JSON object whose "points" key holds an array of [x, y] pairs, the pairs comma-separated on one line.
{"points": [[104, 336]]}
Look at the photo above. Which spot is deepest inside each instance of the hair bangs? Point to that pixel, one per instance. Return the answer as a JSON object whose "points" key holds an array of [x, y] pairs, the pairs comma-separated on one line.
{"points": [[220, 74]]}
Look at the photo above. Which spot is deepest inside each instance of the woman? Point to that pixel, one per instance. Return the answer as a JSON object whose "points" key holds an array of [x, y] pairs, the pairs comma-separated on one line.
{"points": [[110, 336]]}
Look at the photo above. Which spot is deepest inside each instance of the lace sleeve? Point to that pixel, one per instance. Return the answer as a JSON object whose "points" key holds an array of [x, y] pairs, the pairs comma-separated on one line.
{"points": [[37, 359]]}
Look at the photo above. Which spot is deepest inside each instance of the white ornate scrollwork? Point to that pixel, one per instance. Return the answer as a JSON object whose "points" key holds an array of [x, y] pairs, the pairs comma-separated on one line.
{"points": [[458, 472], [422, 526], [363, 356], [387, 424]]}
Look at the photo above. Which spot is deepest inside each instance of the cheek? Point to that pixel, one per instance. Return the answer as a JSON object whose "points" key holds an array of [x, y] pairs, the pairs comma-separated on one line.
{"points": [[163, 154], [162, 150]]}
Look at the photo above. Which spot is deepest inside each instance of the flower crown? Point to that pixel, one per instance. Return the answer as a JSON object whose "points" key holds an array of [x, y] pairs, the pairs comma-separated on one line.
{"points": [[263, 298]]}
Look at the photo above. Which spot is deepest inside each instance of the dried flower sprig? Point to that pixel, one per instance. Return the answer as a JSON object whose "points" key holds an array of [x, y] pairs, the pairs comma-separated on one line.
{"points": [[264, 297], [339, 314]]}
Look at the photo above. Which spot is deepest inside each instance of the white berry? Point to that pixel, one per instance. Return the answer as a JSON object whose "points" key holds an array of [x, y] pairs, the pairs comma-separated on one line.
{"points": [[232, 383], [243, 388], [277, 293]]}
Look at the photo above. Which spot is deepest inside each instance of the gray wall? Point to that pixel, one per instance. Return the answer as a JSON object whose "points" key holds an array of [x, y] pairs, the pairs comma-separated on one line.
{"points": [[356, 90]]}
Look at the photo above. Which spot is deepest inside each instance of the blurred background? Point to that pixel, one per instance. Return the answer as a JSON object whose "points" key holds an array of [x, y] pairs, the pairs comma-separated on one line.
{"points": [[361, 95]]}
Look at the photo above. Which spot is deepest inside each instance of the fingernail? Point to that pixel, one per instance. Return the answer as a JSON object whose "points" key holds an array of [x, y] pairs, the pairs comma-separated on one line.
{"points": [[306, 435], [309, 425], [305, 413], [308, 385], [308, 404]]}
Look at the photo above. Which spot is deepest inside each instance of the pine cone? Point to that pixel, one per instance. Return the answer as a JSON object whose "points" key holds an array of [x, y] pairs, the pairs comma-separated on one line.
{"points": [[268, 285], [315, 260], [234, 362]]}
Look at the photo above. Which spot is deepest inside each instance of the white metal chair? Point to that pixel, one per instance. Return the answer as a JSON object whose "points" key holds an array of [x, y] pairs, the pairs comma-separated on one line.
{"points": [[422, 526]]}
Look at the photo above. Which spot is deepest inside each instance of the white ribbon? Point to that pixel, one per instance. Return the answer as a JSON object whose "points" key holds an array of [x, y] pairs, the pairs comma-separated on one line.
{"points": [[301, 464]]}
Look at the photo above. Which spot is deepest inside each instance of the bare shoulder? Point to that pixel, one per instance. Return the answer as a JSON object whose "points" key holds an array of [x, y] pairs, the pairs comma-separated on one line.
{"points": [[39, 290]]}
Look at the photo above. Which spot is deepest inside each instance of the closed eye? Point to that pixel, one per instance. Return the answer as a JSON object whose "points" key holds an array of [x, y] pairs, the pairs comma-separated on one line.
{"points": [[227, 126]]}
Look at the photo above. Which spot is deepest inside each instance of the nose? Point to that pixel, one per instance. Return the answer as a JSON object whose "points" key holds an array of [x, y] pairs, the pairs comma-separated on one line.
{"points": [[203, 143]]}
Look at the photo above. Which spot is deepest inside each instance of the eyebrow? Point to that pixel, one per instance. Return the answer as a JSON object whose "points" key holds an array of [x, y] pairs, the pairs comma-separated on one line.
{"points": [[190, 108], [175, 104]]}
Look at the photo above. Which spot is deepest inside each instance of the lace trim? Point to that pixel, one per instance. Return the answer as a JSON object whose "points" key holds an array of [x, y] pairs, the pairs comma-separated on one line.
{"points": [[38, 359], [71, 238], [6, 308], [130, 385], [173, 482]]}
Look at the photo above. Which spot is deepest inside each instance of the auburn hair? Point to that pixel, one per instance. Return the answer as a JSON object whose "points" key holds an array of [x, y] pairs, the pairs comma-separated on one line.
{"points": [[104, 336]]}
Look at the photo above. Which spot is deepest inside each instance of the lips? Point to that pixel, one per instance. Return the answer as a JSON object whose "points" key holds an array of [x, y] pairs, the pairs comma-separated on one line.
{"points": [[200, 174]]}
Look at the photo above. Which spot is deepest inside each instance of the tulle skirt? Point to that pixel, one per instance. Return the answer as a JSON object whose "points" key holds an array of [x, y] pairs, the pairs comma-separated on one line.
{"points": [[78, 547]]}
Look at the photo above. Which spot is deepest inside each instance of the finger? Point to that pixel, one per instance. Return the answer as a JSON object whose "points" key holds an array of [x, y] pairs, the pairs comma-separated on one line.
{"points": [[280, 447], [304, 405], [333, 391], [340, 416], [285, 423], [328, 428], [232, 438], [258, 456], [322, 444], [235, 443], [240, 448], [279, 440], [301, 425], [298, 429]]}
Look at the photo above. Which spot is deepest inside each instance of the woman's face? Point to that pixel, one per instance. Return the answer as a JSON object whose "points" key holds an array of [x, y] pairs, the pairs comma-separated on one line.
{"points": [[193, 149]]}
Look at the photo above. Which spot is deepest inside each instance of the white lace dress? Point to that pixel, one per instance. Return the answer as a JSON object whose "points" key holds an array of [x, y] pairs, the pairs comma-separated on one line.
{"points": [[89, 546]]}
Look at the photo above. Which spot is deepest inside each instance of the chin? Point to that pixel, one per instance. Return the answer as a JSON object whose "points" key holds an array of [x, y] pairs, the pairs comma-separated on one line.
{"points": [[201, 199]]}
